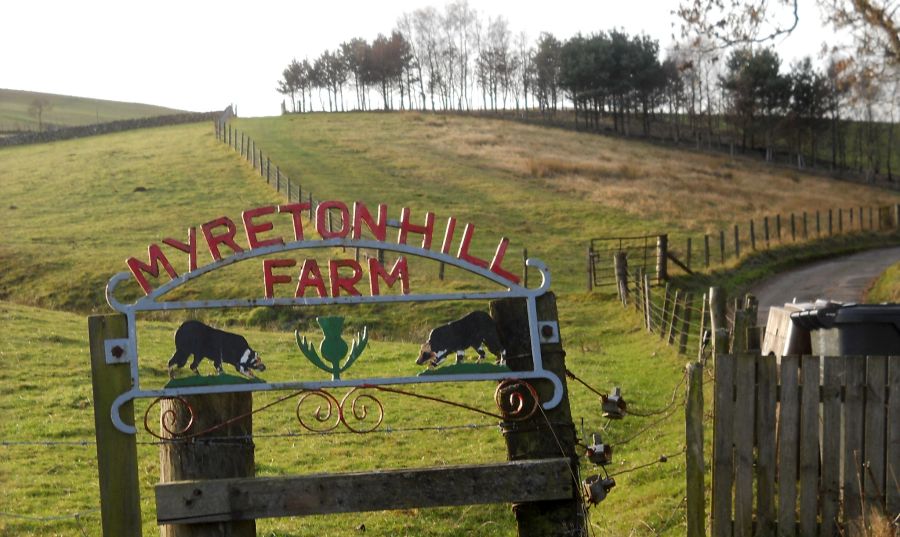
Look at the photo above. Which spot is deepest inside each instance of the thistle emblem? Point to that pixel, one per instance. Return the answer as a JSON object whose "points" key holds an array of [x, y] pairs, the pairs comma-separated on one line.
{"points": [[333, 348]]}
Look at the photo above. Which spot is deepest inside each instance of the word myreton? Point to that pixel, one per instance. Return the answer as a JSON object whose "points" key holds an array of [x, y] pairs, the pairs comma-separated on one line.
{"points": [[221, 234]]}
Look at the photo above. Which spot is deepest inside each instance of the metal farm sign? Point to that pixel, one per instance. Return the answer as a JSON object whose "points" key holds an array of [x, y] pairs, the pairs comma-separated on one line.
{"points": [[289, 281]]}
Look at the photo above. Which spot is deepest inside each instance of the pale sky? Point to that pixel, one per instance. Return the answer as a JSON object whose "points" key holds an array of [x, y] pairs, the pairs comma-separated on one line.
{"points": [[203, 55]]}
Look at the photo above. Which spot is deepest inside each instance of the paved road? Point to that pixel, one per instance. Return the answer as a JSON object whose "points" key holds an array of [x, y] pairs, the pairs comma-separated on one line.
{"points": [[843, 279]]}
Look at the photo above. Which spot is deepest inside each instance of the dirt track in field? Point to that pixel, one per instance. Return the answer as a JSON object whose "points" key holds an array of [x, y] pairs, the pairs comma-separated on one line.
{"points": [[843, 279]]}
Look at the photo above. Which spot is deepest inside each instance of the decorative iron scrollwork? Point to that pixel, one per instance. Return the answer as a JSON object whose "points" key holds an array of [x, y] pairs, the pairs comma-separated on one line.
{"points": [[516, 399]]}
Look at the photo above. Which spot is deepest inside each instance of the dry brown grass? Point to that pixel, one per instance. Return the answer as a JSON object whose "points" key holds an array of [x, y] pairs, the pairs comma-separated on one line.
{"points": [[647, 180]]}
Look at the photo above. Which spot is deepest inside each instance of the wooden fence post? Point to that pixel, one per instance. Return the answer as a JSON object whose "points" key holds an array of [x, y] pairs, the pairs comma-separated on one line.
{"points": [[620, 260], [590, 268], [737, 243], [648, 304], [805, 227], [223, 453], [830, 227], [706, 250], [840, 221], [117, 465], [717, 320], [268, 170], [793, 229], [752, 236], [722, 247], [696, 502], [766, 230], [778, 227], [549, 433], [277, 179], [688, 255], [662, 258]]}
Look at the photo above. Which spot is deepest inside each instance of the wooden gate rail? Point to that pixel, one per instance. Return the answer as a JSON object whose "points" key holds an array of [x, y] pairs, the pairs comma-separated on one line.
{"points": [[223, 500], [788, 458]]}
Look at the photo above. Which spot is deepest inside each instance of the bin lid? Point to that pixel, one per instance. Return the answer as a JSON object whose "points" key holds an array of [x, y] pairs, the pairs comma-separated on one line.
{"points": [[828, 315]]}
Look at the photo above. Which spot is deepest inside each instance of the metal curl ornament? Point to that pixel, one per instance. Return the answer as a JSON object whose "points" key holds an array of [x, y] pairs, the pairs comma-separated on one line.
{"points": [[360, 411], [334, 408], [512, 400], [168, 419]]}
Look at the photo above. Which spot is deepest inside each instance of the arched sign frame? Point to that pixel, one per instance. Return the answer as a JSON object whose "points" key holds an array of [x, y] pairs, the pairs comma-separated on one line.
{"points": [[151, 302]]}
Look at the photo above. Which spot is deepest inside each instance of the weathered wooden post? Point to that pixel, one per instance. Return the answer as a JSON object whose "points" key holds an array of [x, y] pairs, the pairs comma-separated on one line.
{"points": [[805, 227], [752, 236], [277, 179], [818, 225], [737, 244], [766, 230], [590, 268], [662, 258], [268, 169], [696, 502], [687, 261], [547, 434], [722, 245], [830, 226], [224, 452], [620, 260], [897, 215], [793, 229], [717, 320], [706, 250], [840, 221], [778, 227], [120, 500]]}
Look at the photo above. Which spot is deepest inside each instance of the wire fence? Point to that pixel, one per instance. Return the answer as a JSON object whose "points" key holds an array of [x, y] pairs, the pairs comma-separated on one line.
{"points": [[654, 254], [677, 317]]}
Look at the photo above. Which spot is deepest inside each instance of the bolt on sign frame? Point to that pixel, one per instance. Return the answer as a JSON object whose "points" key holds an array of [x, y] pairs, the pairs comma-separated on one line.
{"points": [[126, 350]]}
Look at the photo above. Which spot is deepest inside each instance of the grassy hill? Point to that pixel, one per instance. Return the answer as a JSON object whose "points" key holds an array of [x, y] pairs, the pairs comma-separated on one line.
{"points": [[67, 111], [72, 212]]}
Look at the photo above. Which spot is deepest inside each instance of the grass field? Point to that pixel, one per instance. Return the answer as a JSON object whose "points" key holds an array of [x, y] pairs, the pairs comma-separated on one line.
{"points": [[67, 111], [73, 211]]}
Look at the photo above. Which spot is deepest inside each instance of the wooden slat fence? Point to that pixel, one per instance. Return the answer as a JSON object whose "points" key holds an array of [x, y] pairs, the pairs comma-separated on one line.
{"points": [[809, 446]]}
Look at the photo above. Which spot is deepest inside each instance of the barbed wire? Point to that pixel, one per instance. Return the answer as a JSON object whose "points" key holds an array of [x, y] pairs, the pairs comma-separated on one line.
{"points": [[77, 516], [661, 460]]}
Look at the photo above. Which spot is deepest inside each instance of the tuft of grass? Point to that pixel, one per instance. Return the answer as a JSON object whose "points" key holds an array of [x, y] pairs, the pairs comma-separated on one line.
{"points": [[886, 288]]}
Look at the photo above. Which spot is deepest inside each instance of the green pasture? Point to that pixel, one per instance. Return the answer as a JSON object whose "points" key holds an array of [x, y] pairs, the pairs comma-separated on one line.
{"points": [[67, 111], [73, 211]]}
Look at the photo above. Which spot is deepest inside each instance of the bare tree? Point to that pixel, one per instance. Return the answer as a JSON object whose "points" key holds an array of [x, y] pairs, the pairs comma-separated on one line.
{"points": [[37, 108]]}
